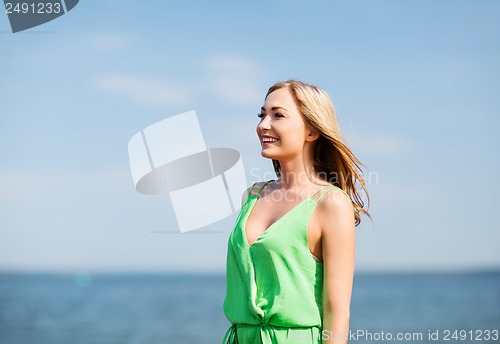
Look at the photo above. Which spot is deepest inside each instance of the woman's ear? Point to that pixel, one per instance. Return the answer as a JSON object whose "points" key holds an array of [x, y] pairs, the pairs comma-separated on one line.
{"points": [[312, 134]]}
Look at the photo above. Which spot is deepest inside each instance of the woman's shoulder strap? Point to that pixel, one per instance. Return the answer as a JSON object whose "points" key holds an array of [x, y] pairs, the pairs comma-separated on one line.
{"points": [[250, 189], [262, 187], [331, 188]]}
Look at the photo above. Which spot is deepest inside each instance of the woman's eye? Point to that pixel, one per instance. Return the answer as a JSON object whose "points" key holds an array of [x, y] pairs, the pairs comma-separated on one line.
{"points": [[261, 115], [277, 114]]}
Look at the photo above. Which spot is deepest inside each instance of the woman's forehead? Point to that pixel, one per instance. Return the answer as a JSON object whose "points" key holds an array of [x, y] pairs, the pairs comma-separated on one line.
{"points": [[281, 98]]}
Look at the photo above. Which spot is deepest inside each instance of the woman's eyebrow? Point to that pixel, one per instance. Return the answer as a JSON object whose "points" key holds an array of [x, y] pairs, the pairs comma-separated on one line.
{"points": [[274, 108]]}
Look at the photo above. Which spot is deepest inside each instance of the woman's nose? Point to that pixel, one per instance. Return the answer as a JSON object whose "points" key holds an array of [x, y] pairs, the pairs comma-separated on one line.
{"points": [[264, 124]]}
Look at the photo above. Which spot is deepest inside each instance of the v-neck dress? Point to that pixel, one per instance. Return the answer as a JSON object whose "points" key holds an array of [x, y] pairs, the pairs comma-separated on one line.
{"points": [[274, 287]]}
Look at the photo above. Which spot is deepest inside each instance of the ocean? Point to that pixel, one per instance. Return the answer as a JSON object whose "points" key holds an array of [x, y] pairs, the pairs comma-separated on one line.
{"points": [[102, 308]]}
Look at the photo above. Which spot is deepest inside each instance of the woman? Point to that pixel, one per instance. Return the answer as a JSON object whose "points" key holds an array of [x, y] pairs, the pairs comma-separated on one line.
{"points": [[290, 260]]}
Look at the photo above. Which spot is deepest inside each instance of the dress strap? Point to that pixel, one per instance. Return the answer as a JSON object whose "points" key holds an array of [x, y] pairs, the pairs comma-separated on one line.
{"points": [[331, 188], [319, 189], [250, 190], [258, 193]]}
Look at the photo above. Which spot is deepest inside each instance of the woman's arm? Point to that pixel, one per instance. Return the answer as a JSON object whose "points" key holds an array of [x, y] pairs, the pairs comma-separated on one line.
{"points": [[338, 246]]}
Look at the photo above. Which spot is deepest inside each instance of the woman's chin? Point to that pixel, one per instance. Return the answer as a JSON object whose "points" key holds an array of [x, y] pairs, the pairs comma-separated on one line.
{"points": [[266, 154]]}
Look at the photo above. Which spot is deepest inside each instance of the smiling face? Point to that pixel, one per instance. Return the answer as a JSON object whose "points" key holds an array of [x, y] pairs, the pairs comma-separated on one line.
{"points": [[281, 130]]}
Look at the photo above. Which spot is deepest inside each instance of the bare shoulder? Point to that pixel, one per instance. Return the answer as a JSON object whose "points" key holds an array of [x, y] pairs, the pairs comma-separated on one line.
{"points": [[255, 190], [336, 211], [335, 200]]}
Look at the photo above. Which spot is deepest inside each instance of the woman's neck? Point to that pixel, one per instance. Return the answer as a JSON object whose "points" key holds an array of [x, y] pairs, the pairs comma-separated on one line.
{"points": [[297, 174]]}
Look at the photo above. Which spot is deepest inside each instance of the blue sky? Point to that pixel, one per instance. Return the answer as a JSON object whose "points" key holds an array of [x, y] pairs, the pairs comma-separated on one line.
{"points": [[415, 87]]}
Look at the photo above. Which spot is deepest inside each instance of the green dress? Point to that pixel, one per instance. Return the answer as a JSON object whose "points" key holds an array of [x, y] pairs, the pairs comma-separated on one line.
{"points": [[274, 288]]}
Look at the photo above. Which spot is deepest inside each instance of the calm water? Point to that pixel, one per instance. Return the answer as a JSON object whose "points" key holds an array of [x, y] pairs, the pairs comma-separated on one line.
{"points": [[181, 309]]}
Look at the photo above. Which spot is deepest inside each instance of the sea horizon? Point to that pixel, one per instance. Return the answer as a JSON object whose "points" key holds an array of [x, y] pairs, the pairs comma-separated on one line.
{"points": [[187, 308]]}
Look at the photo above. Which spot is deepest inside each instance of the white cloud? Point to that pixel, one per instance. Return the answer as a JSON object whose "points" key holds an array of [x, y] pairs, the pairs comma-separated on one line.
{"points": [[44, 184], [234, 78], [145, 89], [22, 186], [230, 78]]}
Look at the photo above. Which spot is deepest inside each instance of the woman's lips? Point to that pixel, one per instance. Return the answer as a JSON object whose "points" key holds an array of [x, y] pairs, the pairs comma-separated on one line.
{"points": [[269, 140]]}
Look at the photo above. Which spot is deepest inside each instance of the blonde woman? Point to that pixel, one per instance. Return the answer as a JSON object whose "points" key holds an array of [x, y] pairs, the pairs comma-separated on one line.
{"points": [[290, 259]]}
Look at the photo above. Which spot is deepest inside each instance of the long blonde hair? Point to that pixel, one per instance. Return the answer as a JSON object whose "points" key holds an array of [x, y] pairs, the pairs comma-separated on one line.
{"points": [[333, 160]]}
